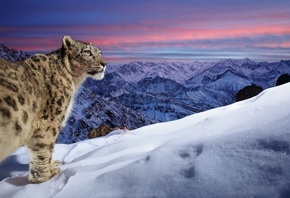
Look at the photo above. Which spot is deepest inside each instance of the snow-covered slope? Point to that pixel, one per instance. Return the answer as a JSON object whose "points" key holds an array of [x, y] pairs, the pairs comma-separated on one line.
{"points": [[240, 150]]}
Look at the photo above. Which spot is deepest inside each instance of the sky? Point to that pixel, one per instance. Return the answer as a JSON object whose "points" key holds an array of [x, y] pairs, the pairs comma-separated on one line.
{"points": [[152, 30]]}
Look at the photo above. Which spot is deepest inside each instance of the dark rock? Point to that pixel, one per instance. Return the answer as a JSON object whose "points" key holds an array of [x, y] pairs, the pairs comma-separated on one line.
{"points": [[248, 92], [285, 78]]}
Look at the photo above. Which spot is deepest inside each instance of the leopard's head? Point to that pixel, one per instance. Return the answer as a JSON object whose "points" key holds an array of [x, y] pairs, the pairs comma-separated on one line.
{"points": [[83, 59]]}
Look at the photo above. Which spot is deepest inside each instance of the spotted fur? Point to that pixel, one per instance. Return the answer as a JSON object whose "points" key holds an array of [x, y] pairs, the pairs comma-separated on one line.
{"points": [[35, 98]]}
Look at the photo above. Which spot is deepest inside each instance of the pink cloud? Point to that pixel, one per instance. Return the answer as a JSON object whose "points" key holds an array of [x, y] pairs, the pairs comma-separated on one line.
{"points": [[170, 35]]}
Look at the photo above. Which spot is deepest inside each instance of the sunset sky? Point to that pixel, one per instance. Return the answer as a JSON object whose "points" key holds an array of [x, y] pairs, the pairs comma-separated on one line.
{"points": [[152, 30]]}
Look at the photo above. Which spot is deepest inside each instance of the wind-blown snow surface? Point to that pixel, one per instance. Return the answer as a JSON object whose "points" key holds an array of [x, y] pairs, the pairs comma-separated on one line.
{"points": [[240, 150]]}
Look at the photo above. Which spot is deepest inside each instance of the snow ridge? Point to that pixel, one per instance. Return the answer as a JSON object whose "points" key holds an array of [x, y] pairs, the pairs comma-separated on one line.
{"points": [[240, 150]]}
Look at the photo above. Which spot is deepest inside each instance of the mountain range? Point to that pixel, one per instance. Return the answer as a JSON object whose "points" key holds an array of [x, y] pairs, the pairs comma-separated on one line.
{"points": [[141, 93], [12, 54], [168, 91]]}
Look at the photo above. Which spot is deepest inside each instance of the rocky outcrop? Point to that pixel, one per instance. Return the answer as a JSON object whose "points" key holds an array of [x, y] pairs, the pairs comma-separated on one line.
{"points": [[248, 92], [103, 130], [285, 78]]}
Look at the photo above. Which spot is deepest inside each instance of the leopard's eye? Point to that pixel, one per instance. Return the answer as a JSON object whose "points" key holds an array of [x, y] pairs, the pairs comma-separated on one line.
{"points": [[88, 53]]}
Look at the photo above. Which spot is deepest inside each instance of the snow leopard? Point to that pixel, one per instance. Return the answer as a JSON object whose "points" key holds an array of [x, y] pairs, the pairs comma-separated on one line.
{"points": [[35, 99]]}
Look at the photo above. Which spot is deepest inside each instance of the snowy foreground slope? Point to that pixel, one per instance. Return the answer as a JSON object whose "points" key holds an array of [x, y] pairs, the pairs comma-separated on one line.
{"points": [[240, 150]]}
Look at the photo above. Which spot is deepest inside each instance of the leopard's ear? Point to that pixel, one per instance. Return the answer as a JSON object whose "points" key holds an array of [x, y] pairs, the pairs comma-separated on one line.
{"points": [[67, 41]]}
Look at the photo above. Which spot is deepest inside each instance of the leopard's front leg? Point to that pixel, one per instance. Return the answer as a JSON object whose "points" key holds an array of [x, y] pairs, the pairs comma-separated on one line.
{"points": [[41, 167]]}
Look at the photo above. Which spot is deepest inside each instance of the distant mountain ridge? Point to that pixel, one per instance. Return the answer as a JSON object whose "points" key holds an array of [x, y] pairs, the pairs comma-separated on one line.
{"points": [[12, 54], [167, 91]]}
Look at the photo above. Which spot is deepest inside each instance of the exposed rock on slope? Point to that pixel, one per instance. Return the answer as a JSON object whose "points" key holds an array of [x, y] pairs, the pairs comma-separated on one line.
{"points": [[248, 92]]}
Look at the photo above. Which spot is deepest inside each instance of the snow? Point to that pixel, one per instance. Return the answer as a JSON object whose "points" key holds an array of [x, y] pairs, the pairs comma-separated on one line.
{"points": [[240, 150]]}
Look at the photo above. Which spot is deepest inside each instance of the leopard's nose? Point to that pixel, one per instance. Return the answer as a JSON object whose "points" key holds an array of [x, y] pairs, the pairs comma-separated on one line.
{"points": [[103, 63]]}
